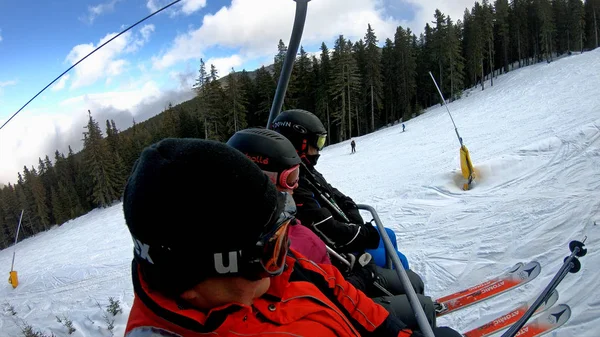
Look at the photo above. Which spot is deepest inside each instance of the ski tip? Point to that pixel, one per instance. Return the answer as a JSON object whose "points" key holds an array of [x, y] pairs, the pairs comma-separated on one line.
{"points": [[532, 269], [516, 267], [561, 313]]}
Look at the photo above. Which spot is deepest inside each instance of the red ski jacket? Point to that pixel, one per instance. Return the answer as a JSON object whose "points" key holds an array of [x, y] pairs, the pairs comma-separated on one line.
{"points": [[307, 299]]}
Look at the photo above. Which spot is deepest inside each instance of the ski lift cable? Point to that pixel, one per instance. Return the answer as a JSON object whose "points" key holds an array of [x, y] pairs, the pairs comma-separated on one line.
{"points": [[86, 56]]}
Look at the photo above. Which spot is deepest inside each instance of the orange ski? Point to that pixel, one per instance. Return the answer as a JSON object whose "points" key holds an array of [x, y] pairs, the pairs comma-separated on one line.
{"points": [[516, 268], [510, 318], [549, 321], [529, 272]]}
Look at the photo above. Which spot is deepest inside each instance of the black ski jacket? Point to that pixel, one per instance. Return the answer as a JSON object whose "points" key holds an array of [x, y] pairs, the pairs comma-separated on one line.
{"points": [[333, 216]]}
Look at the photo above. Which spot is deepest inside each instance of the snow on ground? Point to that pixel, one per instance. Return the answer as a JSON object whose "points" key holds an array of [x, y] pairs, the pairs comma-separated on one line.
{"points": [[534, 136]]}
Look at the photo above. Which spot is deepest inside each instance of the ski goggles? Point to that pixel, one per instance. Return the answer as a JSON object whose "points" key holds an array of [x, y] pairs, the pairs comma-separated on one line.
{"points": [[275, 243], [320, 143], [287, 179]]}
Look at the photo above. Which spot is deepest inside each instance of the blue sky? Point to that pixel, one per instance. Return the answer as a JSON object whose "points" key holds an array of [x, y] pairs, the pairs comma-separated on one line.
{"points": [[136, 75]]}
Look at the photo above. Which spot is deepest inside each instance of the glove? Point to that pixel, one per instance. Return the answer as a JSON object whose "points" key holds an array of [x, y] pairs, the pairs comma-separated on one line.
{"points": [[368, 270]]}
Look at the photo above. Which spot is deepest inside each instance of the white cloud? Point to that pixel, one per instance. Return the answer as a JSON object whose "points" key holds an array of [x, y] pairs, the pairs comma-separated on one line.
{"points": [[7, 83], [120, 100], [0, 35], [108, 62], [61, 83], [97, 10], [191, 6], [247, 25], [38, 132], [146, 31], [95, 67], [224, 64], [185, 7]]}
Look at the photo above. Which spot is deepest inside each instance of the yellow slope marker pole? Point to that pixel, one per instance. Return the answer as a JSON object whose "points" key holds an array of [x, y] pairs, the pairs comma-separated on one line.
{"points": [[13, 278], [466, 165]]}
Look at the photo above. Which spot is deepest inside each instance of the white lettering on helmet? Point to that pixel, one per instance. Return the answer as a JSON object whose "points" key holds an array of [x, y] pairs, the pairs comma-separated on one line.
{"points": [[142, 249], [232, 267]]}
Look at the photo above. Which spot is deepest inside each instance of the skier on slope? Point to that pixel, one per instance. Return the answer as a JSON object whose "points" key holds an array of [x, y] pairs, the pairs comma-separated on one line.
{"points": [[328, 212], [278, 159], [211, 255], [353, 145]]}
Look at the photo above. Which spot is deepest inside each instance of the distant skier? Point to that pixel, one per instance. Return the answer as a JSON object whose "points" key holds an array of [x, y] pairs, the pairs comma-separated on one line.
{"points": [[403, 127], [353, 145]]}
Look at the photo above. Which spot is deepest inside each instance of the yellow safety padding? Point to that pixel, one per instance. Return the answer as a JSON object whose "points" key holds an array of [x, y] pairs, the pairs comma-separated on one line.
{"points": [[13, 279], [466, 165]]}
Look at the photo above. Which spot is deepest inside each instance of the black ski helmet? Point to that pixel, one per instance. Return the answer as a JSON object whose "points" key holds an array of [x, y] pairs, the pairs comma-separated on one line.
{"points": [[302, 128], [268, 149]]}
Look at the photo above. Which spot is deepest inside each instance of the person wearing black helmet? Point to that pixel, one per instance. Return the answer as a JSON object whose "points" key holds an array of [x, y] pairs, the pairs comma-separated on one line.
{"points": [[277, 157], [327, 211], [211, 254]]}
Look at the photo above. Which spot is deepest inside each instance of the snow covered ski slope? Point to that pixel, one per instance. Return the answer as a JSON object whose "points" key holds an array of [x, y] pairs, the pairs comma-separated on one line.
{"points": [[534, 136]]}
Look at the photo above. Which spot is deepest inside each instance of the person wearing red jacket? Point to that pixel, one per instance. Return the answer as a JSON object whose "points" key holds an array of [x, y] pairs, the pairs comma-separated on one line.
{"points": [[211, 254]]}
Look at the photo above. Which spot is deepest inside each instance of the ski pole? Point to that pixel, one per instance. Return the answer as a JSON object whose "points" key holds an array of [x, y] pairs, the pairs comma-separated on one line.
{"points": [[290, 57], [347, 263], [570, 265], [325, 199], [410, 292]]}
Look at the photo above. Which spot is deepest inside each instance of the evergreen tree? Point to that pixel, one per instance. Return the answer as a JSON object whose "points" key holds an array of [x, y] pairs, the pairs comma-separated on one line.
{"points": [[592, 22], [323, 99], [38, 192], [81, 179], [474, 44], [455, 59], [100, 166], [10, 212], [279, 59], [60, 214], [487, 29], [503, 24], [359, 52], [249, 88], [439, 47], [406, 68], [236, 98], [27, 201], [265, 91], [519, 29], [563, 37], [576, 24], [68, 200], [302, 83], [345, 83], [200, 88], [189, 125], [373, 75], [115, 142], [388, 69], [426, 92], [546, 22]]}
